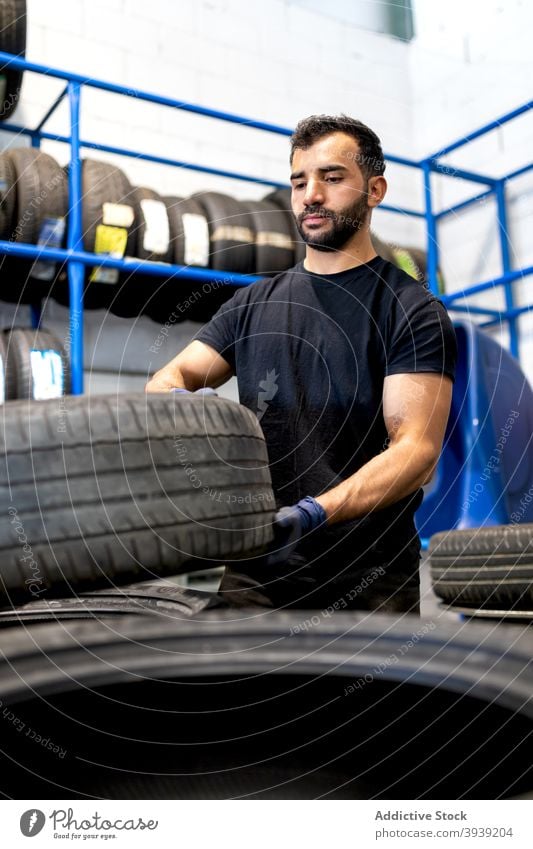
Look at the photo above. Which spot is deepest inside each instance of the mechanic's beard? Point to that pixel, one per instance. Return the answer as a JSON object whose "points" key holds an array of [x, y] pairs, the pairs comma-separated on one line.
{"points": [[345, 224]]}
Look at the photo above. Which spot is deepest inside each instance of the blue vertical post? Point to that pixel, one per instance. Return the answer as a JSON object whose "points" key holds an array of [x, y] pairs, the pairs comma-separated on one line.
{"points": [[431, 224], [36, 308], [35, 315], [76, 270], [506, 264]]}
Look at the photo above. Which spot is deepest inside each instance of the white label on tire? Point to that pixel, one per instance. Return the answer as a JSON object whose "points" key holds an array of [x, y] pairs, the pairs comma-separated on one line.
{"points": [[2, 380], [156, 232], [118, 215], [196, 237], [47, 374], [233, 233], [272, 239]]}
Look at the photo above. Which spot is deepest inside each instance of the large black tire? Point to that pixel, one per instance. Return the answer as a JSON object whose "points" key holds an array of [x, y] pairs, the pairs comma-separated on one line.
{"points": [[132, 296], [12, 40], [8, 192], [42, 192], [282, 705], [104, 183], [176, 298], [281, 200], [485, 567], [140, 195], [22, 379], [3, 375], [274, 250], [40, 195], [128, 487], [232, 241], [166, 599], [189, 234]]}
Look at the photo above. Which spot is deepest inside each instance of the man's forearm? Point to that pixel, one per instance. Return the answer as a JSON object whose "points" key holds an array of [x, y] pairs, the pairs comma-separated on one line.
{"points": [[385, 479], [168, 378]]}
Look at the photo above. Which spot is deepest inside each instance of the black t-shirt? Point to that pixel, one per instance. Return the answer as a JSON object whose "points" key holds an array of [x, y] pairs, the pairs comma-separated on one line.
{"points": [[311, 353]]}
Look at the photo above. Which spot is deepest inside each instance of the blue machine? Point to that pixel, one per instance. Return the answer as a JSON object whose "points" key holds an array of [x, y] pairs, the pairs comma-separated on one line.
{"points": [[486, 466]]}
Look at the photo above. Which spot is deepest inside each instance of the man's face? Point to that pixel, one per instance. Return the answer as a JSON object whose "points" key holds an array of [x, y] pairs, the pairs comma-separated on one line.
{"points": [[329, 192]]}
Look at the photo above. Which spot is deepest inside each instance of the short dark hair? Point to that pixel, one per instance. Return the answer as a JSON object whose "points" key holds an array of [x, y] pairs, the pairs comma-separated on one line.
{"points": [[370, 158]]}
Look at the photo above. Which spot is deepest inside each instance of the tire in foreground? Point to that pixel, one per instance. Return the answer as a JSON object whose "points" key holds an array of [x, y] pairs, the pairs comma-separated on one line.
{"points": [[113, 489]]}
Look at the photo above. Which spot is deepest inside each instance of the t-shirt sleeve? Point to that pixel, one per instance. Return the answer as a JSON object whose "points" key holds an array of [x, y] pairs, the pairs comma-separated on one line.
{"points": [[422, 337], [221, 331]]}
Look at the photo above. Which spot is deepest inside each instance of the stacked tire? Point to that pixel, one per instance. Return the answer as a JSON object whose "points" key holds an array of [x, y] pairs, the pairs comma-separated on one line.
{"points": [[485, 571], [12, 40], [34, 365], [109, 218], [105, 490], [257, 707], [33, 208]]}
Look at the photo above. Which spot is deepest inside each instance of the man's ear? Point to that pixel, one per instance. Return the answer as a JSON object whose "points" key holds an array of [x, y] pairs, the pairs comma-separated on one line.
{"points": [[377, 189]]}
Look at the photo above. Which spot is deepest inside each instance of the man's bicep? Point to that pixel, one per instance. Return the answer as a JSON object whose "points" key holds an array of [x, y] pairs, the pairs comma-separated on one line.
{"points": [[417, 406], [201, 365]]}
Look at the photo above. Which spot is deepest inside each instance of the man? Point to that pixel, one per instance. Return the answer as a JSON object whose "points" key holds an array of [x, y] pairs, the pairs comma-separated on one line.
{"points": [[349, 363]]}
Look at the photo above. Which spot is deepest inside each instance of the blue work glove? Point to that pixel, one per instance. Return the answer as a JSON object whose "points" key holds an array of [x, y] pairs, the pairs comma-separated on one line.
{"points": [[290, 525], [206, 390]]}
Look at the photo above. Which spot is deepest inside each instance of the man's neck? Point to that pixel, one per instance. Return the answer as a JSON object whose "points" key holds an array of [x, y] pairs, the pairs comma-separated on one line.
{"points": [[332, 262]]}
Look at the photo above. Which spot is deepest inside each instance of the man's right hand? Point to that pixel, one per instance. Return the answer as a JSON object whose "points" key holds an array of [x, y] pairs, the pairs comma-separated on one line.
{"points": [[160, 383], [193, 368]]}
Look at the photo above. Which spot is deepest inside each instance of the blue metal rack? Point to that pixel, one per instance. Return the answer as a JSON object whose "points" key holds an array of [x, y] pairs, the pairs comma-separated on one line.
{"points": [[77, 258]]}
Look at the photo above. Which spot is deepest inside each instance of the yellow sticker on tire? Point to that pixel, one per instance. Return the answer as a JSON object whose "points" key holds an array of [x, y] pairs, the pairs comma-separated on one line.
{"points": [[110, 241]]}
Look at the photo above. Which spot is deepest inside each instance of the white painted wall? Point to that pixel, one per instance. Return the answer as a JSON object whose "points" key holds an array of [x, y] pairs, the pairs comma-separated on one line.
{"points": [[470, 64], [278, 61]]}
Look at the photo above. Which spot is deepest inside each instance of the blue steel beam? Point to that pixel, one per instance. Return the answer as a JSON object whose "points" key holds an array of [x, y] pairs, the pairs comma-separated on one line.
{"points": [[154, 269], [23, 64], [460, 173], [514, 313], [487, 128], [75, 270], [386, 207], [401, 160], [506, 265], [518, 172], [479, 287], [178, 163], [161, 160], [464, 203], [230, 117], [432, 245], [474, 310], [52, 109]]}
